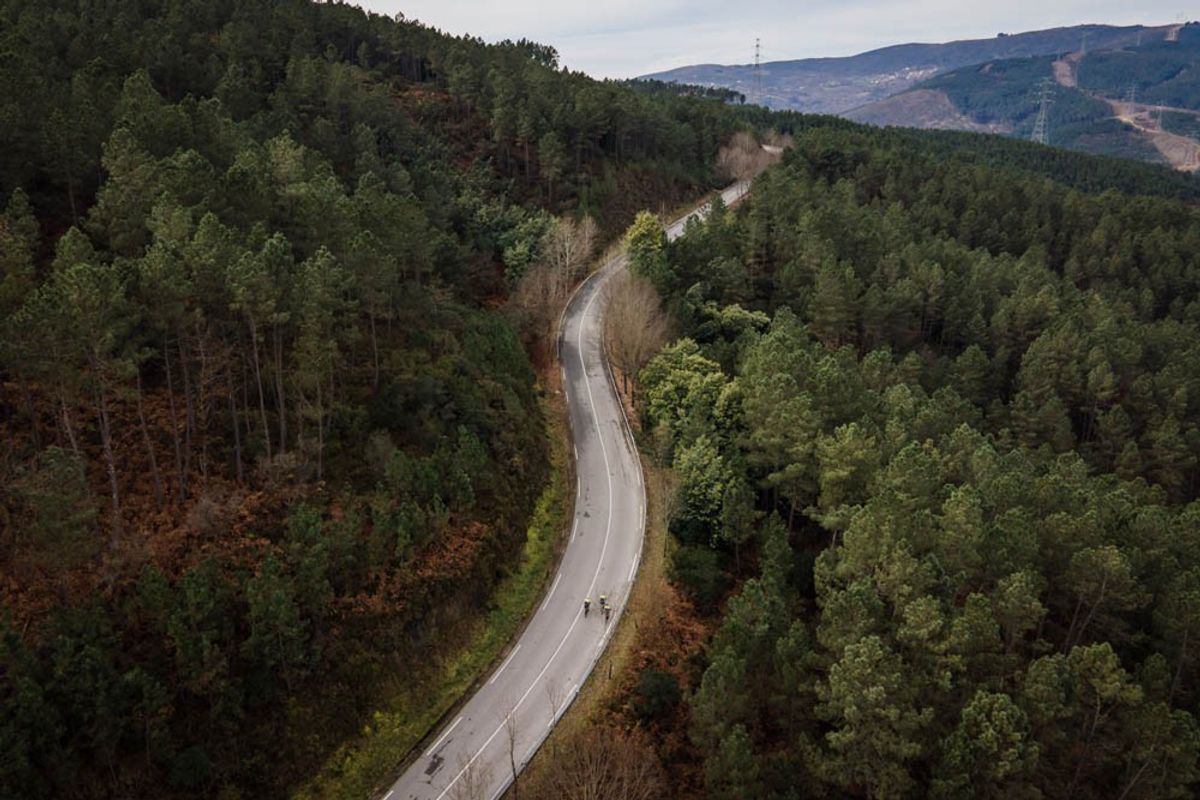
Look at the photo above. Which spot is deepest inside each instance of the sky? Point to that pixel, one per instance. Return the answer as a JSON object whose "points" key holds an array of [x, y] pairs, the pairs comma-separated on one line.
{"points": [[626, 38]]}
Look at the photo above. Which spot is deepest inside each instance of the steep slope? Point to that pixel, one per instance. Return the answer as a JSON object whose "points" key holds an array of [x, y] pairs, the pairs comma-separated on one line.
{"points": [[963, 413], [270, 435], [834, 85], [1104, 101], [929, 109]]}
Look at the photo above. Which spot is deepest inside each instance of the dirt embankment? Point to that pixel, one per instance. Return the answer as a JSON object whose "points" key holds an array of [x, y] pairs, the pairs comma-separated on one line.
{"points": [[1180, 152], [1066, 70]]}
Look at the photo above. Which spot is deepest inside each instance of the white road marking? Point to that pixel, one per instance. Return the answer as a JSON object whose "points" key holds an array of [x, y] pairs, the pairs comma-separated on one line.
{"points": [[595, 576], [441, 738], [389, 794], [505, 664], [734, 193], [550, 593]]}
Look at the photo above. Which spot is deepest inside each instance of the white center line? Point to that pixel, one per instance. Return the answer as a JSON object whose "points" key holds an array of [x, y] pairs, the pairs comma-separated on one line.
{"points": [[595, 576], [441, 738]]}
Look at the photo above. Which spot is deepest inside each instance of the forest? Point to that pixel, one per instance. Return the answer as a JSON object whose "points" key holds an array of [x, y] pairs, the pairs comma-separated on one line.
{"points": [[275, 282], [1008, 92], [934, 428], [1166, 73], [270, 416]]}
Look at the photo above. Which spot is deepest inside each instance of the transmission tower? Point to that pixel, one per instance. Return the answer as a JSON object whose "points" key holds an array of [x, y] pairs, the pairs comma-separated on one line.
{"points": [[758, 71], [1041, 128]]}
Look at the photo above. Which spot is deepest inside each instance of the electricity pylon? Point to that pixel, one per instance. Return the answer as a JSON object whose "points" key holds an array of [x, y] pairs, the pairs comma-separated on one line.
{"points": [[758, 71], [1041, 126]]}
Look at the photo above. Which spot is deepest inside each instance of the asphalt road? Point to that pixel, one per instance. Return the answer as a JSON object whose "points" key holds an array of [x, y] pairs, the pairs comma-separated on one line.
{"points": [[472, 756]]}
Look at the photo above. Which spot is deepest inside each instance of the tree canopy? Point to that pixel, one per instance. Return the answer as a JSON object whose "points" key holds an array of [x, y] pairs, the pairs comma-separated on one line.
{"points": [[962, 400]]}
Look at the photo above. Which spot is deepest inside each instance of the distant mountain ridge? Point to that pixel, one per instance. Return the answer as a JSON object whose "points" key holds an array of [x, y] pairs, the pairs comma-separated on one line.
{"points": [[836, 85], [1137, 101]]}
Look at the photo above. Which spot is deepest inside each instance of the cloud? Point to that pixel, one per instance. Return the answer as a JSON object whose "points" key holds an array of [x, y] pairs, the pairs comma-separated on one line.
{"points": [[623, 38]]}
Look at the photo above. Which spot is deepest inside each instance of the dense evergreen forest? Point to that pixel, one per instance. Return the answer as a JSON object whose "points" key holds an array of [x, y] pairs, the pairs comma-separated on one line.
{"points": [[267, 426], [935, 430], [269, 415]]}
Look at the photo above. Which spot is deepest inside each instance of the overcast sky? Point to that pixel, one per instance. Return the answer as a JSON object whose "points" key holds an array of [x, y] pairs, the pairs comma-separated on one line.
{"points": [[624, 38]]}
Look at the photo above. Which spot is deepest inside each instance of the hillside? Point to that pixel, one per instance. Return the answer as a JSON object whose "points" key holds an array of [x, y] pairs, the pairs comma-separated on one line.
{"points": [[273, 290], [1137, 101], [276, 283], [835, 85], [933, 433]]}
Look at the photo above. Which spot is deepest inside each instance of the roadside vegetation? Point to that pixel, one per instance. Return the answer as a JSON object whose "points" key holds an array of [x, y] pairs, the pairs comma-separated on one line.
{"points": [[415, 701], [935, 444], [274, 278], [276, 282]]}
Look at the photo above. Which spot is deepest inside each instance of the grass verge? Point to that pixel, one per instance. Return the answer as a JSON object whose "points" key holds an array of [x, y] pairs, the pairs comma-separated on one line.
{"points": [[359, 769]]}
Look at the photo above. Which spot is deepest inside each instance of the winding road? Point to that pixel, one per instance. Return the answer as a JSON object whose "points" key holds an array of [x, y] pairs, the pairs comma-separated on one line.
{"points": [[474, 754]]}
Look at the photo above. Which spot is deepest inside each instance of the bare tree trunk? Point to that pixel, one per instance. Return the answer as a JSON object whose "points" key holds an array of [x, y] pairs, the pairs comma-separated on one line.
{"points": [[34, 428], [301, 405], [190, 410], [110, 463], [1179, 665], [1081, 759], [67, 426], [1091, 612], [320, 430], [262, 403], [237, 433], [154, 471], [203, 407], [1134, 780], [181, 477], [280, 400], [1071, 627], [510, 729], [374, 353]]}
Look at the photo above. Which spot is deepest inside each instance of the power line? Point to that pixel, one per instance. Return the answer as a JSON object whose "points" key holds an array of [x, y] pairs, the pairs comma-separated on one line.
{"points": [[1041, 126]]}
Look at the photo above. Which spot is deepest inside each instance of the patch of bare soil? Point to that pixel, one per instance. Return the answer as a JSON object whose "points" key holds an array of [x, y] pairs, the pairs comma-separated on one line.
{"points": [[922, 108], [1181, 152], [1065, 70]]}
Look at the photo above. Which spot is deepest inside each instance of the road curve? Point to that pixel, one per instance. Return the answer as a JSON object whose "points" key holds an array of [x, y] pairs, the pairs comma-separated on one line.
{"points": [[473, 755]]}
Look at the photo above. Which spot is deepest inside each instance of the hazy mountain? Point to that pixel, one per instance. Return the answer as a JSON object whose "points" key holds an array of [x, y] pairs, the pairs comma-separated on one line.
{"points": [[1136, 100], [834, 85]]}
